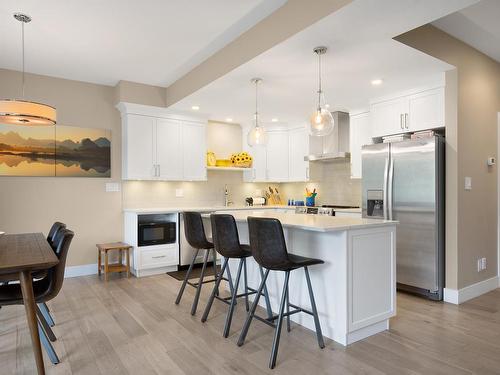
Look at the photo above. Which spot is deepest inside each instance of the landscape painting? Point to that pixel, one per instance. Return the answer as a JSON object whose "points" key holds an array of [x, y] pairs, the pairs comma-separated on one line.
{"points": [[64, 151]]}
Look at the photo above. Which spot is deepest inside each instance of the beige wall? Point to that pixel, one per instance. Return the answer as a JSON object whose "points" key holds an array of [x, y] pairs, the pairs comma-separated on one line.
{"points": [[132, 92], [32, 204], [478, 92]]}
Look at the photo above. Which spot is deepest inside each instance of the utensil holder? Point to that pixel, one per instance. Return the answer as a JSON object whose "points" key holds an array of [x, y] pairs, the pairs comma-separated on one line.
{"points": [[310, 201]]}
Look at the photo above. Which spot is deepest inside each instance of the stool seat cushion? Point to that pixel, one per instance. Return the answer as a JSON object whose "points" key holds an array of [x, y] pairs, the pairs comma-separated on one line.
{"points": [[294, 262]]}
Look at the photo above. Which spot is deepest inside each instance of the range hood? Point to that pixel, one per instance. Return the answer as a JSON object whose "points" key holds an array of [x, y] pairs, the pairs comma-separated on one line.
{"points": [[333, 146]]}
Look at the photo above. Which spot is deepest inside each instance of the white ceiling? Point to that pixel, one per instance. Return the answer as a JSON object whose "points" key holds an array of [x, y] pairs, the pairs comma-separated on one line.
{"points": [[359, 37], [477, 25], [103, 41]]}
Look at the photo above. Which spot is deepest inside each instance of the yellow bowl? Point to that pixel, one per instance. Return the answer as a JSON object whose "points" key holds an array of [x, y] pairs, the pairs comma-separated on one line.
{"points": [[224, 163]]}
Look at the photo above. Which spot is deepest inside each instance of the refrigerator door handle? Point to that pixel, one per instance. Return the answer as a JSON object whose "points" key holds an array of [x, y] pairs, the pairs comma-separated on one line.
{"points": [[386, 177], [389, 188]]}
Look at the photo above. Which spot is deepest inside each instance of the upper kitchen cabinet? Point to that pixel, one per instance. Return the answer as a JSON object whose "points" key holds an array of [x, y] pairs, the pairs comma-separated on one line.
{"points": [[157, 145], [418, 110], [277, 156], [360, 134], [298, 140]]}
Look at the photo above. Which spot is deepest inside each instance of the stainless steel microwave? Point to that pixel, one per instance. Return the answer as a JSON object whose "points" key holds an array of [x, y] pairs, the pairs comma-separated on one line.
{"points": [[156, 233]]}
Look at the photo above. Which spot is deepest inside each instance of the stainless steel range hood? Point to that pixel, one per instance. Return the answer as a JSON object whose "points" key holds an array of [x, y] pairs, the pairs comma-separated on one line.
{"points": [[333, 146]]}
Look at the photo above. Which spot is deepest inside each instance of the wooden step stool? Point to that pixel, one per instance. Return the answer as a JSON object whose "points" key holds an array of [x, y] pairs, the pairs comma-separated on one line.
{"points": [[115, 267]]}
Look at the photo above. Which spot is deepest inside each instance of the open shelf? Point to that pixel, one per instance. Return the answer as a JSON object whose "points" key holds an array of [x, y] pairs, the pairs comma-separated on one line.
{"points": [[228, 169]]}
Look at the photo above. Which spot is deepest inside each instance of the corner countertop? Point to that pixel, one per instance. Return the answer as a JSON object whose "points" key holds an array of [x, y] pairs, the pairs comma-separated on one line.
{"points": [[167, 210], [316, 223]]}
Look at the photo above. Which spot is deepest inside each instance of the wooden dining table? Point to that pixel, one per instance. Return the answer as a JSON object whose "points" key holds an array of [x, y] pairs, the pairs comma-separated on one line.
{"points": [[20, 255]]}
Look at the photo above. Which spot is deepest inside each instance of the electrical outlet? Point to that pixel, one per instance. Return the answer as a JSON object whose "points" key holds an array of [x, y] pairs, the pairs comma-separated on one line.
{"points": [[112, 187], [479, 265], [483, 263], [468, 183], [179, 193]]}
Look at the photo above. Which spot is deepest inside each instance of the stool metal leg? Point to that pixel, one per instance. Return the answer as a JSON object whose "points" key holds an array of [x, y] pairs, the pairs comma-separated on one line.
{"points": [[247, 305], [212, 296], [319, 334], [47, 345], [229, 316], [46, 313], [277, 332], [181, 291], [215, 269], [45, 325], [200, 283], [266, 296], [288, 328], [251, 313], [230, 279]]}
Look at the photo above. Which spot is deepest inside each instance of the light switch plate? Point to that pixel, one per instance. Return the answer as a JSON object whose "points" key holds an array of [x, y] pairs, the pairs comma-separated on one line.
{"points": [[112, 187], [179, 193], [468, 183]]}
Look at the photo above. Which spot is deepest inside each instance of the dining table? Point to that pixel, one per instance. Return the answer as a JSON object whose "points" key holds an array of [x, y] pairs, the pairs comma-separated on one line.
{"points": [[20, 255]]}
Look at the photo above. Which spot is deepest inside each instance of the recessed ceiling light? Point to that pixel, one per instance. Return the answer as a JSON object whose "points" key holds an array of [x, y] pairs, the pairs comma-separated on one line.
{"points": [[377, 82], [229, 119], [274, 120], [195, 107]]}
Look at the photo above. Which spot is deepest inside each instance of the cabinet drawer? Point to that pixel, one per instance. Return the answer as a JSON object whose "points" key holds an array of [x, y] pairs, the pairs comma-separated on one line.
{"points": [[159, 257]]}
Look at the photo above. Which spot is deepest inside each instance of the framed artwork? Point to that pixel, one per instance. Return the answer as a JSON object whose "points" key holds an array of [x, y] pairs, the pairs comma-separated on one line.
{"points": [[62, 151]]}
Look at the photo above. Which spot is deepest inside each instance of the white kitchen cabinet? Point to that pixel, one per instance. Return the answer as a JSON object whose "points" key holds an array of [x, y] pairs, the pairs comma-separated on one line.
{"points": [[193, 151], [138, 137], [415, 111], [277, 156], [259, 165], [359, 135], [298, 140], [168, 149]]}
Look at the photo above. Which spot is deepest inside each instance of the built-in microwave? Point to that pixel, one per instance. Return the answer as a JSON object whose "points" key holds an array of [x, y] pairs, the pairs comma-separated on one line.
{"points": [[156, 233]]}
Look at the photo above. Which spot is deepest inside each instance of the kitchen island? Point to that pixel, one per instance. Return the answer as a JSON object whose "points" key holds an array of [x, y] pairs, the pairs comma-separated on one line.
{"points": [[355, 290]]}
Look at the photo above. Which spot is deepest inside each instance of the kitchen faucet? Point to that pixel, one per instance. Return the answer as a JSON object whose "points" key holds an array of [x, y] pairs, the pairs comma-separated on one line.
{"points": [[227, 202]]}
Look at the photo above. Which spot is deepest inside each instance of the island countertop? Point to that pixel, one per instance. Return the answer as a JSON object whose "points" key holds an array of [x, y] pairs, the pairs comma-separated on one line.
{"points": [[317, 223]]}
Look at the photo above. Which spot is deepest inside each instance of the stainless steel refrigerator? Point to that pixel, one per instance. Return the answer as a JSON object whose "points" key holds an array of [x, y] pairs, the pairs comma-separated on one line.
{"points": [[404, 181]]}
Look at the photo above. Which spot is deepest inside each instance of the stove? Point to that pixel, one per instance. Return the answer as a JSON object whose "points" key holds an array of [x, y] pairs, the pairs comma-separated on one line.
{"points": [[325, 210]]}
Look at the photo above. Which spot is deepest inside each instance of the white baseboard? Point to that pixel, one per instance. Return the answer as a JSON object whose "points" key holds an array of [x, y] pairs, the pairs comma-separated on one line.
{"points": [[83, 270], [472, 291]]}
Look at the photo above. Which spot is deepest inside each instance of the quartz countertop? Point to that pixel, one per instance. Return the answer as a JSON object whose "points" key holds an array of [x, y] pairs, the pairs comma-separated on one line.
{"points": [[317, 223], [157, 210]]}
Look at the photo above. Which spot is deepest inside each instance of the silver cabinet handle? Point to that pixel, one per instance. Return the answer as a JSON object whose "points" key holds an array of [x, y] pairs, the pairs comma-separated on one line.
{"points": [[254, 174], [159, 170], [307, 173], [401, 119], [406, 120], [159, 256]]}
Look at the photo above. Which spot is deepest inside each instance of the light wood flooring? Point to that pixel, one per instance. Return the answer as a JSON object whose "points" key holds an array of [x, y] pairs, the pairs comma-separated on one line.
{"points": [[133, 327]]}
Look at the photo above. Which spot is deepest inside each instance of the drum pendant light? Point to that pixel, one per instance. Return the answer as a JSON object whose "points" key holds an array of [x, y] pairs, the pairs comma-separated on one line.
{"points": [[24, 112], [321, 121], [257, 136]]}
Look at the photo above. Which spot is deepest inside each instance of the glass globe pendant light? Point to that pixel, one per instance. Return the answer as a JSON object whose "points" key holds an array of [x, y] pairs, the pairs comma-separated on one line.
{"points": [[321, 121], [257, 136], [23, 112]]}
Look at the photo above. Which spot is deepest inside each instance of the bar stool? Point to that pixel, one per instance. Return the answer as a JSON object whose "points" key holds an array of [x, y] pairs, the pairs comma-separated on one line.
{"points": [[227, 244], [268, 246], [195, 236]]}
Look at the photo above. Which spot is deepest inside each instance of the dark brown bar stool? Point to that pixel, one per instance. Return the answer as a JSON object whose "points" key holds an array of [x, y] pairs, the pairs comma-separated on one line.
{"points": [[268, 246], [227, 244], [195, 236]]}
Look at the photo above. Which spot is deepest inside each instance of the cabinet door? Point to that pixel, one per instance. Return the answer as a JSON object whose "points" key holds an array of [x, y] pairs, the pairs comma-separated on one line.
{"points": [[360, 135], [194, 149], [388, 117], [298, 148], [139, 157], [277, 156], [168, 149], [426, 110]]}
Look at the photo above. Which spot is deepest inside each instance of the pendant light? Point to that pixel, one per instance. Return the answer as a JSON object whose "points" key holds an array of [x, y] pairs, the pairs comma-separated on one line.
{"points": [[257, 136], [23, 112], [321, 121]]}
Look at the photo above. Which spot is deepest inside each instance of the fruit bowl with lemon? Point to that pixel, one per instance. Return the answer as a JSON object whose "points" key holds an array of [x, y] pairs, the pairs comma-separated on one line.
{"points": [[237, 160]]}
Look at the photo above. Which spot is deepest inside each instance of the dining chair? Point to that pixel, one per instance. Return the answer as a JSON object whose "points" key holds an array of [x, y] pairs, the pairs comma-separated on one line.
{"points": [[44, 289]]}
